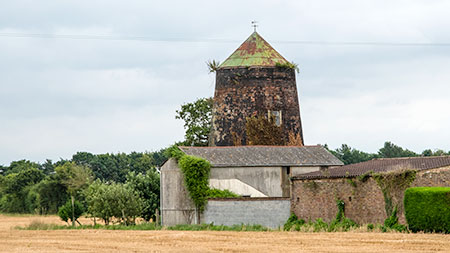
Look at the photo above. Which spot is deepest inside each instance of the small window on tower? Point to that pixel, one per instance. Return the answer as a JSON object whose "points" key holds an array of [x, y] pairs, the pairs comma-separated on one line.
{"points": [[276, 116]]}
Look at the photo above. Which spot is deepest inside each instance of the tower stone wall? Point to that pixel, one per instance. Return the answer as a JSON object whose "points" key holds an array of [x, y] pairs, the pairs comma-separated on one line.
{"points": [[243, 92]]}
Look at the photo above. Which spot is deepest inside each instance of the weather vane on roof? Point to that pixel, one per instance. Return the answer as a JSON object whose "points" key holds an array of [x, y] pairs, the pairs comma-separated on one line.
{"points": [[254, 24]]}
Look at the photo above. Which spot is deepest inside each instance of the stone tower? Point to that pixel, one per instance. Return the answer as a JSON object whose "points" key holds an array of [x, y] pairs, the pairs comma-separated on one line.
{"points": [[254, 80]]}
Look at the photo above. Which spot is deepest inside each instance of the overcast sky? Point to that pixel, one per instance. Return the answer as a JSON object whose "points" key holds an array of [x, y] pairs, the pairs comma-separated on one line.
{"points": [[89, 91]]}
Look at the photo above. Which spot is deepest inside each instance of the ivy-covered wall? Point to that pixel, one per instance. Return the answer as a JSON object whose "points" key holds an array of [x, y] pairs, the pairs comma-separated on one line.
{"points": [[366, 200]]}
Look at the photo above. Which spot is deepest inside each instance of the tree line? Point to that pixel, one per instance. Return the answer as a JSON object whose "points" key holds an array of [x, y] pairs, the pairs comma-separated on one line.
{"points": [[349, 155], [90, 183]]}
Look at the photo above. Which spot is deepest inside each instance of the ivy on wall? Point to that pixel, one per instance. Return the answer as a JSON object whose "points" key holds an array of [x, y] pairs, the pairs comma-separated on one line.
{"points": [[393, 182], [196, 175], [196, 172]]}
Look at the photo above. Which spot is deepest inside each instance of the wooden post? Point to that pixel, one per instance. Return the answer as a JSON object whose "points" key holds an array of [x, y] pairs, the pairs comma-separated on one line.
{"points": [[157, 219]]}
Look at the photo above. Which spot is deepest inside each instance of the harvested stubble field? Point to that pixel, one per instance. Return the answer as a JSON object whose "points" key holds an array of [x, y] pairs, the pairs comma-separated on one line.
{"points": [[13, 240]]}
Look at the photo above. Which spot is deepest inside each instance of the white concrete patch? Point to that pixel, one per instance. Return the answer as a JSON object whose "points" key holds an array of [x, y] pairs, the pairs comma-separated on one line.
{"points": [[236, 186]]}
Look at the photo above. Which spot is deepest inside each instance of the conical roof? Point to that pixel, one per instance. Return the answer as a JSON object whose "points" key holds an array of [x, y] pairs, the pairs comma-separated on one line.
{"points": [[255, 51]]}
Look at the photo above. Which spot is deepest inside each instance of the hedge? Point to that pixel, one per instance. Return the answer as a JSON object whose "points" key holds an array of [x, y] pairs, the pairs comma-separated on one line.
{"points": [[428, 209]]}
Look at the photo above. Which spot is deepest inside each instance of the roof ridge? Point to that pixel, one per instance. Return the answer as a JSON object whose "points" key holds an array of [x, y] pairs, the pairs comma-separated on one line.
{"points": [[409, 157], [249, 146]]}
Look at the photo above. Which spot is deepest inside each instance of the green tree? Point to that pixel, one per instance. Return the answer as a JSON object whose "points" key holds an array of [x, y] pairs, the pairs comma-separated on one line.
{"points": [[113, 200], [18, 166], [48, 167], [98, 201], [75, 178], [390, 150], [197, 121], [147, 187], [16, 187], [350, 155], [438, 152], [115, 167], [159, 157], [71, 211], [51, 194]]}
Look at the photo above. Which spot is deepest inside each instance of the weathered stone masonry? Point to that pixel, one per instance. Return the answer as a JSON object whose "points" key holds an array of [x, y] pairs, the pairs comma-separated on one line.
{"points": [[312, 199], [243, 92]]}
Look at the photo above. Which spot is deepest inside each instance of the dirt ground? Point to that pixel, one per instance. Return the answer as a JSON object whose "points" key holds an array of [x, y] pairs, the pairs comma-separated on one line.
{"points": [[13, 240]]}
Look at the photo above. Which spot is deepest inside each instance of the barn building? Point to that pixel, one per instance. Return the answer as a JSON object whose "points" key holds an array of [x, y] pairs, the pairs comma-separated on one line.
{"points": [[258, 173], [314, 194]]}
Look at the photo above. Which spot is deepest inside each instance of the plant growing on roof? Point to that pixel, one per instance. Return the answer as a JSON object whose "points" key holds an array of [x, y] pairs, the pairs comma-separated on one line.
{"points": [[288, 65], [213, 65]]}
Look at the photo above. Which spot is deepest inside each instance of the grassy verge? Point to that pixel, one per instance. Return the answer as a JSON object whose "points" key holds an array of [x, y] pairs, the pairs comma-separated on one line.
{"points": [[37, 225], [212, 227]]}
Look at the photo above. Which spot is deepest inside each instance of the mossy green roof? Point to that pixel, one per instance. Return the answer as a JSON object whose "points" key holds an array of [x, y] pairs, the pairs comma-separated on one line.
{"points": [[255, 51]]}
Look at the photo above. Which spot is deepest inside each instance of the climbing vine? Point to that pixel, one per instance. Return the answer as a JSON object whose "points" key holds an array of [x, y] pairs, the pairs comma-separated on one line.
{"points": [[311, 185], [196, 175], [364, 177], [393, 182], [196, 172]]}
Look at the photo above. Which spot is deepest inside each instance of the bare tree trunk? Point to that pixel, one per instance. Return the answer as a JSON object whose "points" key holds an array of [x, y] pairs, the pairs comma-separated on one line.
{"points": [[197, 210], [73, 211], [123, 217]]}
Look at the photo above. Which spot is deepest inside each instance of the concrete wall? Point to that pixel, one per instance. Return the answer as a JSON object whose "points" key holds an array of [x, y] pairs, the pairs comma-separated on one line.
{"points": [[266, 180], [312, 199], [269, 212], [236, 186], [302, 170], [176, 205]]}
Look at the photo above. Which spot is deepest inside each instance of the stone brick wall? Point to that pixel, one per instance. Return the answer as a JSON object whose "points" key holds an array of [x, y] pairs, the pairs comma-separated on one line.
{"points": [[312, 199], [245, 92], [269, 212]]}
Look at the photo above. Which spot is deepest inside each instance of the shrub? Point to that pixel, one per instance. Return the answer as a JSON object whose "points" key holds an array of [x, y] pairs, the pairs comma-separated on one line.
{"points": [[340, 223], [428, 209], [392, 223], [293, 221], [320, 225], [216, 193], [65, 211], [345, 224]]}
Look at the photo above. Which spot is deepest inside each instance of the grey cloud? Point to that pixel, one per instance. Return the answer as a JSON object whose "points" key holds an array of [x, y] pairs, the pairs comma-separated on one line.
{"points": [[60, 96]]}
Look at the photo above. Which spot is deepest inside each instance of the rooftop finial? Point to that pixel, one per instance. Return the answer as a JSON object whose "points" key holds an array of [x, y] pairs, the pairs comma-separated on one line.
{"points": [[254, 24]]}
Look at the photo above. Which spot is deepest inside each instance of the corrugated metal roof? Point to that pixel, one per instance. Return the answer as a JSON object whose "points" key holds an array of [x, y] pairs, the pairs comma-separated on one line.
{"points": [[255, 51], [253, 156], [379, 165]]}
